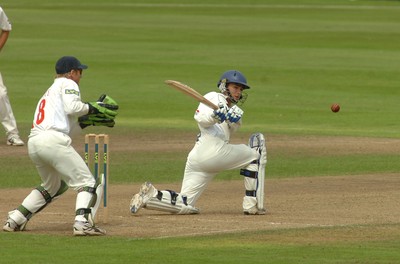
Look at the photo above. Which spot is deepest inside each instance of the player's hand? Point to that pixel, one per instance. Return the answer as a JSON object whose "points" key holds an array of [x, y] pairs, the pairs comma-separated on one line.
{"points": [[98, 109], [220, 114], [91, 120], [108, 102], [234, 114]]}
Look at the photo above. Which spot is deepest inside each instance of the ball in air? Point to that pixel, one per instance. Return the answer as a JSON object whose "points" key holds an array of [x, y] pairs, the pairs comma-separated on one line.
{"points": [[335, 108]]}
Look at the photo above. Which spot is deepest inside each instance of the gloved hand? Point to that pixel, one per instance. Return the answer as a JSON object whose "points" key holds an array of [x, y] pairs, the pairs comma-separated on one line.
{"points": [[108, 102], [234, 114], [91, 120], [220, 114], [98, 109]]}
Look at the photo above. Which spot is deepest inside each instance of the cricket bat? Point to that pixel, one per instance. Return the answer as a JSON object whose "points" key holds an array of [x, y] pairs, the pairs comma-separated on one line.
{"points": [[191, 92]]}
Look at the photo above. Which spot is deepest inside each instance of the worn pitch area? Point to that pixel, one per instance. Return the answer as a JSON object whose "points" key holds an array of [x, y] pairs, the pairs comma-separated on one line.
{"points": [[327, 201]]}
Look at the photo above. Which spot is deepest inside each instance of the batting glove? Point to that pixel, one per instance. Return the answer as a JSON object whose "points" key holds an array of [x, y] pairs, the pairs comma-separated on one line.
{"points": [[234, 114], [220, 114]]}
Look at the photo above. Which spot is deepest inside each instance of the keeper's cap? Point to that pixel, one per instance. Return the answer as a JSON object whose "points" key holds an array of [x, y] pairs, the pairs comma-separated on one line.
{"points": [[67, 63]]}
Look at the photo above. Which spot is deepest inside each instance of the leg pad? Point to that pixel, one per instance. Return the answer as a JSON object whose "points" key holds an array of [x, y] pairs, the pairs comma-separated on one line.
{"points": [[254, 175]]}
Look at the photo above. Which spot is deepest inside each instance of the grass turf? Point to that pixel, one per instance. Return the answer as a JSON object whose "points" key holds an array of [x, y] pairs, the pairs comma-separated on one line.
{"points": [[352, 244]]}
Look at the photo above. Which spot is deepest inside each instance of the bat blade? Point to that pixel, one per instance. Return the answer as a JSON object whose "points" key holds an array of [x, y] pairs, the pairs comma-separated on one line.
{"points": [[191, 92]]}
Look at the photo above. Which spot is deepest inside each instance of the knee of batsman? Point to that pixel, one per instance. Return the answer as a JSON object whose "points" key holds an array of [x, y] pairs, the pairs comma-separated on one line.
{"points": [[3, 92], [251, 193], [250, 179]]}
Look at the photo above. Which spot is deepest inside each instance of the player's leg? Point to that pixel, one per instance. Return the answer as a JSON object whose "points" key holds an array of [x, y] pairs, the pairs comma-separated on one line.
{"points": [[207, 159], [86, 208], [254, 176], [7, 118], [229, 156], [171, 202], [193, 185], [253, 158], [166, 201], [99, 194], [89, 192], [36, 201], [215, 156], [52, 185], [55, 158]]}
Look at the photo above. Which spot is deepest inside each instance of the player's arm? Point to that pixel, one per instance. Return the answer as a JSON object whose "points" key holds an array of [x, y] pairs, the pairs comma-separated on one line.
{"points": [[3, 38], [73, 104], [205, 116]]}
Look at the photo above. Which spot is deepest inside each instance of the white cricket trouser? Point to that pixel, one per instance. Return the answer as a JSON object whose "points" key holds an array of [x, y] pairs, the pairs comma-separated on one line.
{"points": [[209, 156], [6, 113], [57, 160]]}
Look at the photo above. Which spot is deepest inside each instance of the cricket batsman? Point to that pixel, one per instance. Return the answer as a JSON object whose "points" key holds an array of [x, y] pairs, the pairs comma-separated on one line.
{"points": [[212, 153]]}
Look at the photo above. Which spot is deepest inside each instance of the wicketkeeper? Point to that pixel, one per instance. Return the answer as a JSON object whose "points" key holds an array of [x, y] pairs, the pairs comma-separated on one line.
{"points": [[213, 153], [59, 114]]}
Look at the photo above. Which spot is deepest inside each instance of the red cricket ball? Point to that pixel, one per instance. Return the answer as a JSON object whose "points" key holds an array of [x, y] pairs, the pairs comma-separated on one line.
{"points": [[335, 108]]}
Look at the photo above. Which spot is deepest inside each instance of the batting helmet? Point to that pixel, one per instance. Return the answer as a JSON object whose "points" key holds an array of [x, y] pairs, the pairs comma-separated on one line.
{"points": [[233, 77]]}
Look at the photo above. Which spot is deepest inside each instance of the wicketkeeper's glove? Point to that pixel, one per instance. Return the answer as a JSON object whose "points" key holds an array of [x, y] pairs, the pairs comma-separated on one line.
{"points": [[105, 107], [108, 102], [91, 120], [98, 109], [234, 114], [220, 114]]}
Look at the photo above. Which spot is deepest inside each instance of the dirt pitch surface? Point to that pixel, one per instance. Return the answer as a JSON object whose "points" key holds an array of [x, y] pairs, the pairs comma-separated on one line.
{"points": [[291, 203]]}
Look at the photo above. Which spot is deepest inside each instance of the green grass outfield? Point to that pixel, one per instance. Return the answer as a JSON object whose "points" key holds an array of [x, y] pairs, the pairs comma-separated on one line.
{"points": [[299, 57]]}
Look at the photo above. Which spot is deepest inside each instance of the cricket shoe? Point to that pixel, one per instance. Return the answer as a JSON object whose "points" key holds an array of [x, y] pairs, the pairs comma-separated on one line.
{"points": [[255, 211], [140, 199], [15, 140], [12, 226], [86, 229]]}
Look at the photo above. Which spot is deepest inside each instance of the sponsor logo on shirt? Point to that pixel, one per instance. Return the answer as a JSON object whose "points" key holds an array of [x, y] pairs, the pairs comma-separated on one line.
{"points": [[71, 91]]}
